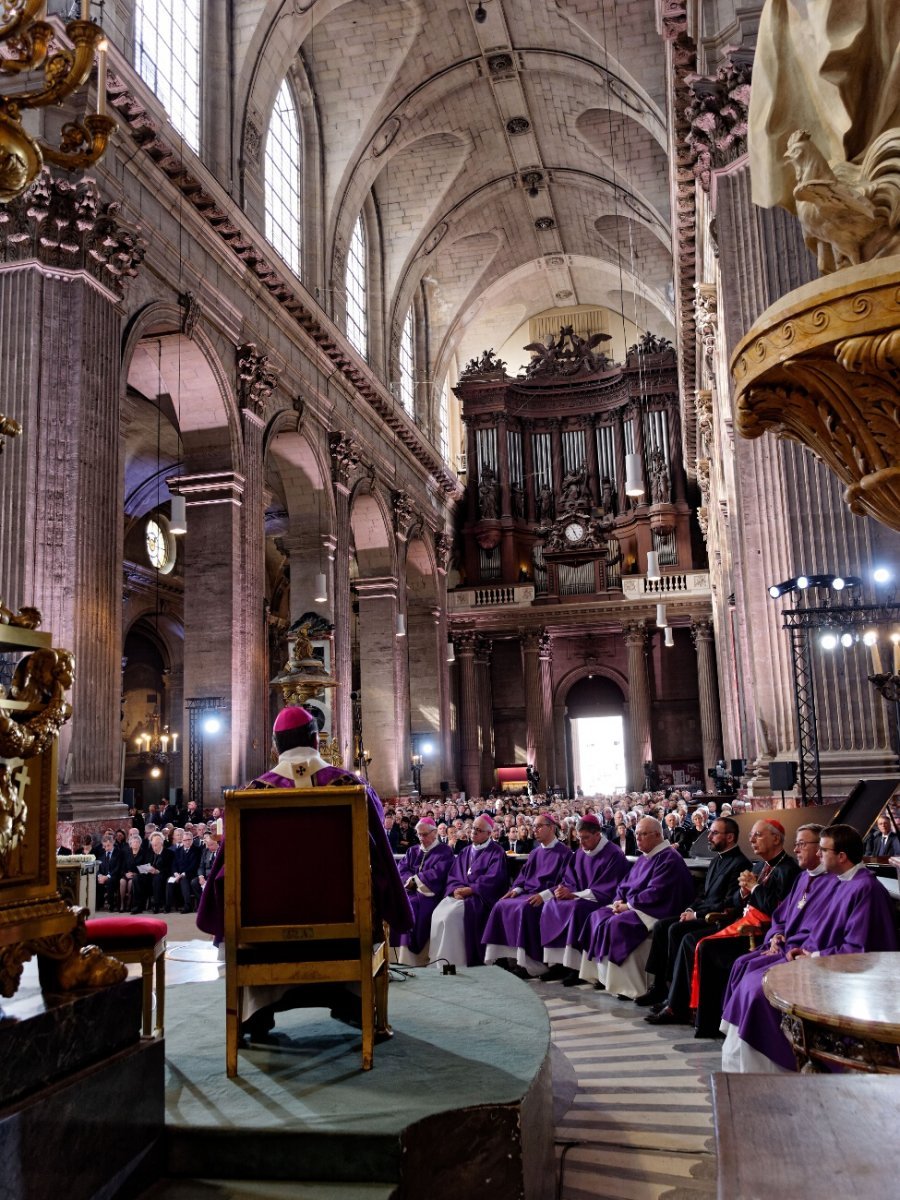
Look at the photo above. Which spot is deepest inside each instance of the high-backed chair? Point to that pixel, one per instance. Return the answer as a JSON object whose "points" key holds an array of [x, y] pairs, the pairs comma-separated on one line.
{"points": [[305, 922]]}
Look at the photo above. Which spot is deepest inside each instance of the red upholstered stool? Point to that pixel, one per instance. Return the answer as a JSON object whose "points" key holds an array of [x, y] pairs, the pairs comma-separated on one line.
{"points": [[136, 940]]}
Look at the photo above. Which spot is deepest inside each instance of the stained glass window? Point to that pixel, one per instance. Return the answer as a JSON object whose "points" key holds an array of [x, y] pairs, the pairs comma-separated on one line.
{"points": [[167, 57], [157, 546], [282, 179]]}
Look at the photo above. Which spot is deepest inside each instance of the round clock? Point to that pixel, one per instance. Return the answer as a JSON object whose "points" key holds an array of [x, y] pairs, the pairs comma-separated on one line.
{"points": [[155, 541], [574, 532]]}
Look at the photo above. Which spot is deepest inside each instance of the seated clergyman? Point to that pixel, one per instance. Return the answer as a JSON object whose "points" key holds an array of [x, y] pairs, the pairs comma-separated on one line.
{"points": [[618, 936], [477, 880], [424, 870], [840, 910]]}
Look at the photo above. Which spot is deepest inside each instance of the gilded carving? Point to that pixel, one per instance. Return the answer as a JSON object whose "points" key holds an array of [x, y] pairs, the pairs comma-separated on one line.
{"points": [[821, 367], [8, 429]]}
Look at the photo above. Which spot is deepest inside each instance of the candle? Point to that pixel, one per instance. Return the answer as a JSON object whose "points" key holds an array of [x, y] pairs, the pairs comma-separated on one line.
{"points": [[101, 78], [174, 743], [876, 659], [895, 638], [85, 10], [164, 740]]}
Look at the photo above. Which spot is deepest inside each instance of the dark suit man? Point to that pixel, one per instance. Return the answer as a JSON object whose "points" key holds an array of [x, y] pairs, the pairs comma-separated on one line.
{"points": [[110, 859], [153, 883], [185, 865], [671, 977], [882, 842]]}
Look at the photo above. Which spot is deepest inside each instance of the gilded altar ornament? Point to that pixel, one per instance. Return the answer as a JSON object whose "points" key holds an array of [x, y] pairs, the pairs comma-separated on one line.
{"points": [[303, 675], [9, 428], [25, 41], [38, 689]]}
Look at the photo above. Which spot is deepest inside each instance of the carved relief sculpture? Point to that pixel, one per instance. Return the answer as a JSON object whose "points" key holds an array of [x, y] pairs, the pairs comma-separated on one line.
{"points": [[567, 354], [256, 379], [659, 479], [488, 494]]}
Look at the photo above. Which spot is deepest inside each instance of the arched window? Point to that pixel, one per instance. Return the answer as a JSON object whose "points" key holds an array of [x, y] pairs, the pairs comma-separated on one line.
{"points": [[282, 179], [167, 57], [407, 376], [355, 280], [444, 421]]}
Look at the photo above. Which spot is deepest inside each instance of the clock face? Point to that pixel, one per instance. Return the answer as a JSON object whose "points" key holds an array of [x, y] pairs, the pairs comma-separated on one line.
{"points": [[574, 532]]}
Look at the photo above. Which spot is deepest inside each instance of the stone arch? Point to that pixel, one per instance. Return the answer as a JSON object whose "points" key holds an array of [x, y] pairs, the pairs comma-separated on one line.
{"points": [[608, 680], [371, 529]]}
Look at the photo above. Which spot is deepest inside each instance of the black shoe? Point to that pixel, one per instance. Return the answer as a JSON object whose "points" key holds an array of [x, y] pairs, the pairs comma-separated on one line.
{"points": [[666, 1017], [557, 971], [653, 996], [657, 1008], [574, 980], [599, 987]]}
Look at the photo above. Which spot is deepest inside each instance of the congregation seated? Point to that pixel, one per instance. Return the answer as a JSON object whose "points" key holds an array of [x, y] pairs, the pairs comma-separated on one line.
{"points": [[590, 879], [110, 859], [207, 858], [151, 886], [674, 938], [835, 907], [513, 927], [617, 937], [477, 880], [135, 856], [424, 870], [624, 836]]}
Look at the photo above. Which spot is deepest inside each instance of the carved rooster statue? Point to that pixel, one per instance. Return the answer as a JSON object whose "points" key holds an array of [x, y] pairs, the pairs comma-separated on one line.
{"points": [[836, 217]]}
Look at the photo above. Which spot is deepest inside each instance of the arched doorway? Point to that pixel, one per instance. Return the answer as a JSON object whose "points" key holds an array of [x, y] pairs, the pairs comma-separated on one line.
{"points": [[595, 736]]}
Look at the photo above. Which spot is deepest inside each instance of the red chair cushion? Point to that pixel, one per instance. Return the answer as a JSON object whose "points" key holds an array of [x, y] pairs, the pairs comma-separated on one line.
{"points": [[126, 933]]}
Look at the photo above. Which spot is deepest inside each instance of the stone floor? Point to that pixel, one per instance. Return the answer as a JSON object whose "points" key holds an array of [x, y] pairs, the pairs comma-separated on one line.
{"points": [[632, 1102]]}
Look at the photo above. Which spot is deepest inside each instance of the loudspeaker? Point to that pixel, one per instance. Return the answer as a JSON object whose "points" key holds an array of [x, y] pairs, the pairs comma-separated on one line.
{"points": [[782, 776], [444, 786], [738, 767]]}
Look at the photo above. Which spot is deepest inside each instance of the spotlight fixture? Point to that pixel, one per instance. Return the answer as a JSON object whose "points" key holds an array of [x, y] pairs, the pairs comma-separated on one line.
{"points": [[401, 625], [802, 582], [480, 13], [661, 621], [847, 640], [779, 589], [870, 638], [653, 572], [320, 594], [828, 641], [178, 515], [882, 575], [212, 725], [838, 583], [451, 651], [670, 636]]}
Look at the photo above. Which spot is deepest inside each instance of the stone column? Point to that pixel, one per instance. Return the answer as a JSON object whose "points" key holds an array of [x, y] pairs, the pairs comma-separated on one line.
{"points": [[485, 712], [535, 733], [545, 660], [250, 707], [710, 720], [344, 462], [469, 728], [381, 685], [639, 743], [61, 483], [443, 544], [214, 598]]}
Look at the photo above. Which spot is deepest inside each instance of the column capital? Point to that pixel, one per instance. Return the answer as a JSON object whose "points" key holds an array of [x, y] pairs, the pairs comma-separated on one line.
{"points": [[256, 378], [483, 649], [466, 642], [702, 631], [379, 587], [67, 228], [209, 487], [545, 647], [635, 633], [406, 518], [443, 546]]}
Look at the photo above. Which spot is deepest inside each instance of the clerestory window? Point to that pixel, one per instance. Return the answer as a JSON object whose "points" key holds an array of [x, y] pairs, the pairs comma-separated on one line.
{"points": [[167, 57]]}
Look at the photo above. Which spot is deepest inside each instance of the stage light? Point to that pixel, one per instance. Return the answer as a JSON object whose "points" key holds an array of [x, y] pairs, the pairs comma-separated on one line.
{"points": [[881, 575], [838, 583], [212, 725], [828, 641], [774, 591], [870, 638], [803, 582], [426, 747], [847, 640]]}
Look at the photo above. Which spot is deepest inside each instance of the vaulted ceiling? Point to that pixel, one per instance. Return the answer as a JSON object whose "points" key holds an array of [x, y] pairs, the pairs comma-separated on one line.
{"points": [[517, 162]]}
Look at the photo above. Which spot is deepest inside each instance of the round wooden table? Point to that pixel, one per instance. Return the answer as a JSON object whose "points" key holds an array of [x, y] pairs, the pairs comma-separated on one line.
{"points": [[840, 1010]]}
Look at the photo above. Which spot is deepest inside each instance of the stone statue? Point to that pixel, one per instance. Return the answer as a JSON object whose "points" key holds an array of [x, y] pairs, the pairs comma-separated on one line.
{"points": [[517, 498], [545, 504], [574, 493], [659, 479], [824, 124], [606, 494], [488, 494]]}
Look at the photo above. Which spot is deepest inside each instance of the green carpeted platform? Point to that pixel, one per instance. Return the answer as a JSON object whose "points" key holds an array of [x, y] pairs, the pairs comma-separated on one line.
{"points": [[469, 1057]]}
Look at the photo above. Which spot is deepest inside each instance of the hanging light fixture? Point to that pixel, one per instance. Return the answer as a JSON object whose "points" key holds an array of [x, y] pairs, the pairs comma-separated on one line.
{"points": [[156, 746], [401, 625], [661, 622], [320, 593], [634, 475], [451, 651], [670, 636], [653, 573], [178, 515]]}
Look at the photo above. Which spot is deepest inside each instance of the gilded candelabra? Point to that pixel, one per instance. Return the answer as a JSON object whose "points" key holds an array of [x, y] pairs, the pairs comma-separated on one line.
{"points": [[25, 41]]}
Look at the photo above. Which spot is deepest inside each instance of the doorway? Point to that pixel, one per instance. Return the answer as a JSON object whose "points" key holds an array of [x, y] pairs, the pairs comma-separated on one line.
{"points": [[598, 754]]}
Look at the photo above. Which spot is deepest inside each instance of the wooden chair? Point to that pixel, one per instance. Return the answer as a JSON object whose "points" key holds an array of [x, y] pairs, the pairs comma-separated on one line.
{"points": [[309, 922]]}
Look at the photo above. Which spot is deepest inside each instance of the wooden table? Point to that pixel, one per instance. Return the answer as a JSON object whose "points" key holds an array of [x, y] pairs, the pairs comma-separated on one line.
{"points": [[843, 1009], [806, 1138]]}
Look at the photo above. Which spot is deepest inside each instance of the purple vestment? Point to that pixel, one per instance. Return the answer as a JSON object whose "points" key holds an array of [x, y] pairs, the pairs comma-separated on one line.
{"points": [[850, 916], [391, 903], [600, 874], [514, 922], [485, 872], [659, 885], [432, 870]]}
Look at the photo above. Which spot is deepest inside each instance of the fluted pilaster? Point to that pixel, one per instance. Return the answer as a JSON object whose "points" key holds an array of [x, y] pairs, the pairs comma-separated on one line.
{"points": [[639, 743], [535, 732], [485, 713], [710, 720], [469, 727]]}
